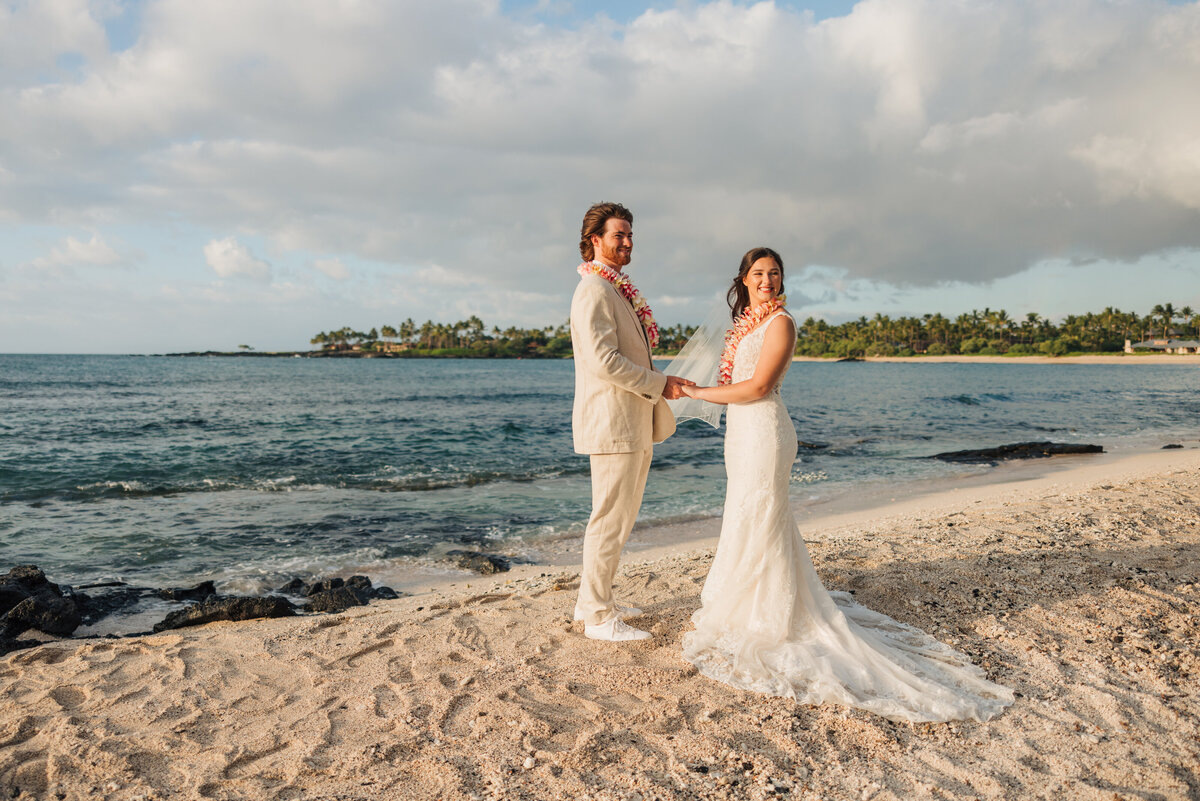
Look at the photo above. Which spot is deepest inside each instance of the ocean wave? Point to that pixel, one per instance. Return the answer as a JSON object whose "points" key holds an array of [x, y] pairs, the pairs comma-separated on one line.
{"points": [[378, 481], [968, 399]]}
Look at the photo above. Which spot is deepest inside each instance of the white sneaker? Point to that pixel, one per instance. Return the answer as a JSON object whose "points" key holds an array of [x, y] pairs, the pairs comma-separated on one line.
{"points": [[614, 630], [623, 612]]}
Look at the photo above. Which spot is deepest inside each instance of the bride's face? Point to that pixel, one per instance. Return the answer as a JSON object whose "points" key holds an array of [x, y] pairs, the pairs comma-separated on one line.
{"points": [[763, 280]]}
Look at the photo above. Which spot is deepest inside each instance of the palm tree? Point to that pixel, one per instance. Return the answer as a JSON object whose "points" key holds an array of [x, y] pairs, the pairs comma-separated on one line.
{"points": [[1191, 317], [408, 329], [1167, 312]]}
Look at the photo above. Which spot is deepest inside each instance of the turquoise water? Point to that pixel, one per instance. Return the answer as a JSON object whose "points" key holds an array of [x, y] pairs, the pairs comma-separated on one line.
{"points": [[167, 471]]}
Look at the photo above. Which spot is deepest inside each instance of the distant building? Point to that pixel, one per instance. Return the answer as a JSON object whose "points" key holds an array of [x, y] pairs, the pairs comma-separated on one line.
{"points": [[1165, 345]]}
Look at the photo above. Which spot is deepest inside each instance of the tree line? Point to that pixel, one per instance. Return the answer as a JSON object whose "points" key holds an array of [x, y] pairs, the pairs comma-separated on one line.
{"points": [[986, 332]]}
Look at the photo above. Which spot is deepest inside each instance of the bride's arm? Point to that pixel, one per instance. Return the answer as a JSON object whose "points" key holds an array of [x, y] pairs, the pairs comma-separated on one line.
{"points": [[778, 342]]}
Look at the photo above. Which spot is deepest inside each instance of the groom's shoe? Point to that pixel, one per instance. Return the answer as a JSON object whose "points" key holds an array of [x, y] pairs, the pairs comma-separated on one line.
{"points": [[623, 612], [614, 630]]}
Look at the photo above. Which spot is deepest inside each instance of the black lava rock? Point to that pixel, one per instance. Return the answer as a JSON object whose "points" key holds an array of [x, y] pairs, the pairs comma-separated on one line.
{"points": [[483, 563], [218, 607], [293, 587], [1020, 450], [359, 583], [324, 585], [98, 606], [29, 601], [58, 616], [1171, 447], [197, 593], [337, 600]]}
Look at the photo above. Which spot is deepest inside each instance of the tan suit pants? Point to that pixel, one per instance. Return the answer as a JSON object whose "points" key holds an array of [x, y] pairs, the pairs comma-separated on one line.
{"points": [[618, 481]]}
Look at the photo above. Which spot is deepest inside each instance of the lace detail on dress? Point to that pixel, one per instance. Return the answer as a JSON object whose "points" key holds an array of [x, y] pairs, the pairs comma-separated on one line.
{"points": [[767, 624]]}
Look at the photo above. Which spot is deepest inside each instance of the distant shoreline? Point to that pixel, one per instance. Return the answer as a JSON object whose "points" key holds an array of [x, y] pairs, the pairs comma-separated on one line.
{"points": [[1098, 358]]}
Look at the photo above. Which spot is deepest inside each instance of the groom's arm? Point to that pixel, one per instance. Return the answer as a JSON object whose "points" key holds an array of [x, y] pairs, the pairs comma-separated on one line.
{"points": [[594, 340]]}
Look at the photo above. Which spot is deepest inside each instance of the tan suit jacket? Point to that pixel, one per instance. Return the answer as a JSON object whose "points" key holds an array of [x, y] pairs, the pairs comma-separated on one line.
{"points": [[616, 385]]}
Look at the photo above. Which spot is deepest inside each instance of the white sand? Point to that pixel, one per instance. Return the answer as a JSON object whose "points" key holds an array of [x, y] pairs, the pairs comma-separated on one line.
{"points": [[1078, 589]]}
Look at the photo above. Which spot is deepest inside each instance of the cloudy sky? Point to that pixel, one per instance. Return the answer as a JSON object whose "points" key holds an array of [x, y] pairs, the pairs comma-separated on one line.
{"points": [[183, 175]]}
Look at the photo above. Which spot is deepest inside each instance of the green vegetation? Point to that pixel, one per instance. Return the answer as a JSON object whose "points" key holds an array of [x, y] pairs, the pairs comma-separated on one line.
{"points": [[986, 333], [465, 339], [989, 333]]}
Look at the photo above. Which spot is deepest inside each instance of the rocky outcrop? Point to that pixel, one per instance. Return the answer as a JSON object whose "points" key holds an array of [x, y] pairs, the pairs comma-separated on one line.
{"points": [[483, 563], [109, 598], [218, 607], [28, 600], [1020, 450], [337, 595]]}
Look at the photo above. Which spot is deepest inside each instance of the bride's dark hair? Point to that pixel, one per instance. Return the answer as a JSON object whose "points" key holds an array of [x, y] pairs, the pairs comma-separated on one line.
{"points": [[739, 296]]}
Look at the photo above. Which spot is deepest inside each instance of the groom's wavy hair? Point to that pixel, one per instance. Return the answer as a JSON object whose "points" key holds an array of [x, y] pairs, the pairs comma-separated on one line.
{"points": [[739, 296], [593, 225]]}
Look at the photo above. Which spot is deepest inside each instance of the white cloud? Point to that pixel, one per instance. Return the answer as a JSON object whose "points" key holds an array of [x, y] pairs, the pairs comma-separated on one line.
{"points": [[910, 142], [334, 268], [72, 252], [229, 258]]}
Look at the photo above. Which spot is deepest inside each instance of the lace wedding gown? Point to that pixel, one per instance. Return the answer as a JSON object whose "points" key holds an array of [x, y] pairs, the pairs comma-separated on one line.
{"points": [[766, 622]]}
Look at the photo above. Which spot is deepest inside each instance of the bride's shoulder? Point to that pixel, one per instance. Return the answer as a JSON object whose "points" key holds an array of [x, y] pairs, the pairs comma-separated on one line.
{"points": [[782, 315]]}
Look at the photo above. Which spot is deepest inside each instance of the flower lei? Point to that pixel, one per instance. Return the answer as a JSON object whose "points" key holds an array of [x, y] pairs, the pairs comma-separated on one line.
{"points": [[744, 324], [623, 285]]}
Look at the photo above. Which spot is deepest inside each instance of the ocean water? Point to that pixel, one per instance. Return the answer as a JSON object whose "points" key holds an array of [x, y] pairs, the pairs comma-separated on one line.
{"points": [[162, 471]]}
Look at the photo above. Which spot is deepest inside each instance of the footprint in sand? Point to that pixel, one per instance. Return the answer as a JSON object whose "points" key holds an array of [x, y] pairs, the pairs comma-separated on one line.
{"points": [[68, 697]]}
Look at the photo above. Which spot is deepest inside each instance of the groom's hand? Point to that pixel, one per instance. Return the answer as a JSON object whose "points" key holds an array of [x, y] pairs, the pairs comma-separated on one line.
{"points": [[674, 388]]}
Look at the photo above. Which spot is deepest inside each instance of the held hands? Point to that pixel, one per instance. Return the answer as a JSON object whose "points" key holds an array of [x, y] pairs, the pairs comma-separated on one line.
{"points": [[674, 390]]}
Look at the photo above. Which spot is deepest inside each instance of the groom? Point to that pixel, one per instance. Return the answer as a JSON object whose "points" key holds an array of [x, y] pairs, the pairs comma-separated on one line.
{"points": [[619, 410]]}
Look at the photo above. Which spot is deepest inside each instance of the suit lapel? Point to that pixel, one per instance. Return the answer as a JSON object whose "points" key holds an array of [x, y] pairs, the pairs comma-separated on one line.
{"points": [[625, 304]]}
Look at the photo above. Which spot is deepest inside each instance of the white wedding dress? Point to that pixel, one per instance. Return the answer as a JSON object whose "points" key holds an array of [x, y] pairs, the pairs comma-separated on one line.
{"points": [[766, 622]]}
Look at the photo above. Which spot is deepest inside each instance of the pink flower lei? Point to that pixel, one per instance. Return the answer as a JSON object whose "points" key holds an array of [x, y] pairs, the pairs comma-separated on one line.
{"points": [[744, 324], [630, 292]]}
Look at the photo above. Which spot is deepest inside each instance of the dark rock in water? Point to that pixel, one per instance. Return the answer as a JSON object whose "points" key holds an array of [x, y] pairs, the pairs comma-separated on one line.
{"points": [[483, 563], [338, 599], [100, 605], [1020, 450], [197, 593], [218, 607], [335, 594], [323, 585], [359, 583], [29, 601], [849, 359], [812, 446], [57, 616], [293, 587], [1171, 447]]}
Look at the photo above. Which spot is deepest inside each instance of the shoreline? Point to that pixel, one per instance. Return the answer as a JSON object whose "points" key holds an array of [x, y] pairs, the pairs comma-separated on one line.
{"points": [[652, 541]]}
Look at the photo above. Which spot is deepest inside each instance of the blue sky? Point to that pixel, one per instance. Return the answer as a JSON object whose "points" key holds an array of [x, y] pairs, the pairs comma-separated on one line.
{"points": [[178, 175]]}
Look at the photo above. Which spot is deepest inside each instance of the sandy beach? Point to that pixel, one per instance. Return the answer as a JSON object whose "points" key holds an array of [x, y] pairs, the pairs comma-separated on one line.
{"points": [[1079, 589]]}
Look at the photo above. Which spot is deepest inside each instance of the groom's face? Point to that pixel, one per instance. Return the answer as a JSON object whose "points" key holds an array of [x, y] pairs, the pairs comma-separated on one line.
{"points": [[615, 245]]}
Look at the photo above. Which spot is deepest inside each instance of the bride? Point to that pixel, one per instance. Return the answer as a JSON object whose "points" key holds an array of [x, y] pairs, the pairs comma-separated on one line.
{"points": [[766, 623]]}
